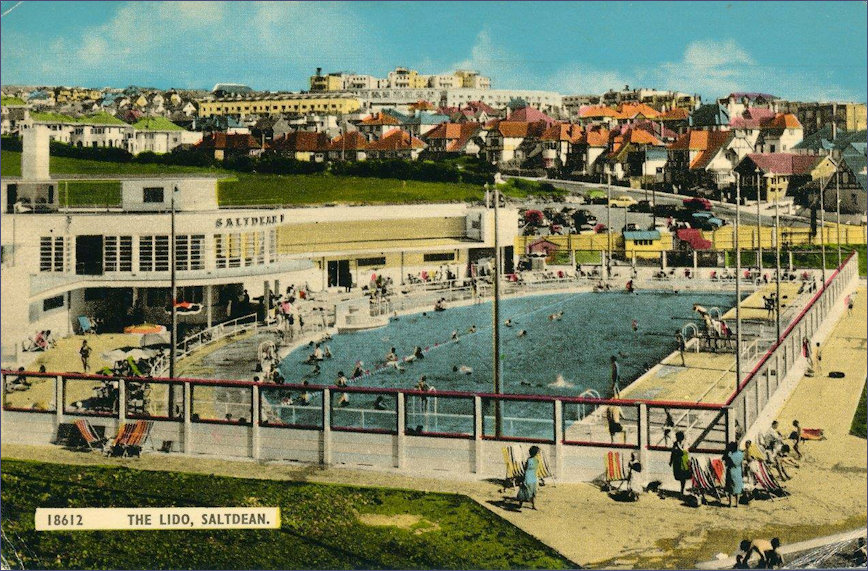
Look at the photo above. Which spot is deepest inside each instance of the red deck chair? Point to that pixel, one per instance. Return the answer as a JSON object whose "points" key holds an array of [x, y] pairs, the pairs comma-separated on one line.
{"points": [[765, 482], [614, 466], [702, 481], [116, 446], [91, 439], [139, 434]]}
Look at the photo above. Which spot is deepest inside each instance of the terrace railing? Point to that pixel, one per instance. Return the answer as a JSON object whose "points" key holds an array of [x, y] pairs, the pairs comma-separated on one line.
{"points": [[215, 333]]}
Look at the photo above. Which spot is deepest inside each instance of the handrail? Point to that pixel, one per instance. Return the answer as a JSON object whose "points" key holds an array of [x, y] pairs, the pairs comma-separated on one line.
{"points": [[215, 333]]}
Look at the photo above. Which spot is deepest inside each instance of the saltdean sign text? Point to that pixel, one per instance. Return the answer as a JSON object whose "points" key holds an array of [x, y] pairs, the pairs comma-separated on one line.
{"points": [[243, 221]]}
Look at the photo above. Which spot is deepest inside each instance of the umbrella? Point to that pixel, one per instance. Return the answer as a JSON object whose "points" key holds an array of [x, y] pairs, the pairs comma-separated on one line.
{"points": [[149, 339], [124, 352]]}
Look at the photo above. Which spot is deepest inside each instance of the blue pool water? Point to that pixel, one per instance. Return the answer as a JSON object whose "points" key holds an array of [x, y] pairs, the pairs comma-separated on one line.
{"points": [[577, 347]]}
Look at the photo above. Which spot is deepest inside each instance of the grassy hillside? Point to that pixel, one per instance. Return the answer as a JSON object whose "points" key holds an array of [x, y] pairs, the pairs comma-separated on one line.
{"points": [[322, 525]]}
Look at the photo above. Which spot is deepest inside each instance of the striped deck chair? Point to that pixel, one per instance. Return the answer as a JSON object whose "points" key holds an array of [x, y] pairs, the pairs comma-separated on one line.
{"points": [[813, 434], [615, 472], [717, 471], [765, 483], [139, 434], [116, 446], [514, 466], [91, 439], [543, 471], [702, 481]]}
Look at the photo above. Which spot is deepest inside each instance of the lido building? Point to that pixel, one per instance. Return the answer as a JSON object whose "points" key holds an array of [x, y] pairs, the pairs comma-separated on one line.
{"points": [[60, 262]]}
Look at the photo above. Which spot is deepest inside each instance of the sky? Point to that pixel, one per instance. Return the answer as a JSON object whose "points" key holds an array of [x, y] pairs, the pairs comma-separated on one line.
{"points": [[795, 50]]}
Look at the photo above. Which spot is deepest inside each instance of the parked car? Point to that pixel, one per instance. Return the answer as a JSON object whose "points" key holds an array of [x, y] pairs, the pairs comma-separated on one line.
{"points": [[641, 206], [596, 196], [630, 227], [622, 201], [584, 217], [664, 210], [697, 203]]}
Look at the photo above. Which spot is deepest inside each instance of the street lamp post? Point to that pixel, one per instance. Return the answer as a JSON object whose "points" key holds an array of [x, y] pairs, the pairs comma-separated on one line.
{"points": [[737, 281], [654, 196], [777, 265], [609, 224], [173, 336], [759, 231], [498, 418], [838, 211]]}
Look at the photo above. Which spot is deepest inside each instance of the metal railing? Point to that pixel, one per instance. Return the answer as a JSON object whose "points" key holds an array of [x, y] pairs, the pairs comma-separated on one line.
{"points": [[215, 333]]}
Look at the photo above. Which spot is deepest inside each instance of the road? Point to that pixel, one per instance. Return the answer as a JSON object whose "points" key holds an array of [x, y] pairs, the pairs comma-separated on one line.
{"points": [[723, 210]]}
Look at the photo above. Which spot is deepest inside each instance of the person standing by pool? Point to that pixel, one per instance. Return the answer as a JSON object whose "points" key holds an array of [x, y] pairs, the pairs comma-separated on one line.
{"points": [[682, 346], [527, 491], [84, 352], [818, 360], [733, 460], [615, 377], [679, 459]]}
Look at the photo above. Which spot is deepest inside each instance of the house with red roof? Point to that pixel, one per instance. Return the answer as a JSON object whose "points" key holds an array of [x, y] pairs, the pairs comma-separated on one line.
{"points": [[735, 103], [513, 142], [453, 139], [589, 151], [557, 145], [635, 154], [349, 146], [701, 158], [530, 115], [599, 114], [776, 175], [375, 126], [301, 146], [229, 144], [396, 144]]}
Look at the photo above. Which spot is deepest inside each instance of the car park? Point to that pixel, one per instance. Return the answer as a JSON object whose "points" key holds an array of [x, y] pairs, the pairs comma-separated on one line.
{"points": [[641, 206]]}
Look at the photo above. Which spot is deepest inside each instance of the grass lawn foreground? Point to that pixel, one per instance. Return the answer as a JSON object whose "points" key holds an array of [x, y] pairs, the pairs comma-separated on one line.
{"points": [[322, 525]]}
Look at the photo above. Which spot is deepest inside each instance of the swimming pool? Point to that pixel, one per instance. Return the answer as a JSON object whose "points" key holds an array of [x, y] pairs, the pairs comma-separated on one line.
{"points": [[559, 357]]}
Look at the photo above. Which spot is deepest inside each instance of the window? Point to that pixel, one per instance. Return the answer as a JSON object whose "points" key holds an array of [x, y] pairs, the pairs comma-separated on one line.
{"points": [[444, 257], [118, 253], [153, 253], [52, 303], [51, 254], [153, 194], [375, 261]]}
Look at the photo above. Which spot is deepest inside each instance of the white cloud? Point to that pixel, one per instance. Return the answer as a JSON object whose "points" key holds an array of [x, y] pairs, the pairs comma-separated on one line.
{"points": [[506, 68], [586, 80]]}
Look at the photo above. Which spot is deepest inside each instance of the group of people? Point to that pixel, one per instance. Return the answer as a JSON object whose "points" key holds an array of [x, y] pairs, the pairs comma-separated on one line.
{"points": [[39, 342], [771, 448]]}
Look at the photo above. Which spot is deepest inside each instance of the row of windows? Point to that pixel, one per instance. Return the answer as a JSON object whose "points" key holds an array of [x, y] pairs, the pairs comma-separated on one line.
{"points": [[243, 249], [51, 254]]}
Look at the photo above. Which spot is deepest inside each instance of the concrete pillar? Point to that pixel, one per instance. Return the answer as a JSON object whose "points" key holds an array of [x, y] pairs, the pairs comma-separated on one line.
{"points": [[402, 267], [757, 400], [188, 419], [790, 260], [559, 438], [643, 444], [122, 400], [266, 297], [695, 262], [277, 287], [257, 437], [209, 300], [325, 282], [767, 376], [58, 400], [326, 446], [477, 434], [401, 441], [663, 260]]}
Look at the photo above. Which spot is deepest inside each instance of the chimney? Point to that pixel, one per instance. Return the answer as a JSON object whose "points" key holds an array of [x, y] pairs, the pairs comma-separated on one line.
{"points": [[318, 71]]}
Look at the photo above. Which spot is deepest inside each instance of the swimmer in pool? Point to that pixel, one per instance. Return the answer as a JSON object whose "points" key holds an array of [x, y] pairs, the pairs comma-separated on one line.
{"points": [[472, 329], [508, 323], [635, 326], [455, 335], [463, 369], [522, 333]]}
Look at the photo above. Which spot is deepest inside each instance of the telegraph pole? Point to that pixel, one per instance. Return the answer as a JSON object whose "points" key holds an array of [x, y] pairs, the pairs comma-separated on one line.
{"points": [[737, 281], [777, 265], [173, 341], [609, 224], [498, 389]]}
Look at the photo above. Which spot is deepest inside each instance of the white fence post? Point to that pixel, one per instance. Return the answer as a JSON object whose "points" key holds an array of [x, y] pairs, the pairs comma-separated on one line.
{"points": [[257, 437], [188, 418], [122, 400], [401, 442], [58, 400], [643, 442], [326, 445], [477, 434], [559, 438]]}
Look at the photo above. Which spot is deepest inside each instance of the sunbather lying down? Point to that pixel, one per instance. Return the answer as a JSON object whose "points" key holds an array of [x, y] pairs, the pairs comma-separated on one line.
{"points": [[813, 434]]}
